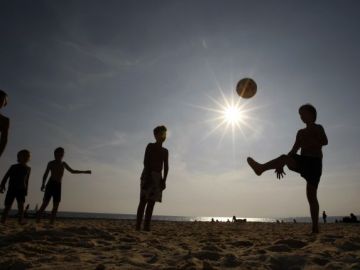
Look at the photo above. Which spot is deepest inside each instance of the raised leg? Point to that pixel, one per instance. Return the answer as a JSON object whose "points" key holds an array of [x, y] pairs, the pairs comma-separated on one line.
{"points": [[279, 162]]}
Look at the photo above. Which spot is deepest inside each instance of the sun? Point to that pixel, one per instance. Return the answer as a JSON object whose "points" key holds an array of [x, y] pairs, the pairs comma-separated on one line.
{"points": [[232, 115]]}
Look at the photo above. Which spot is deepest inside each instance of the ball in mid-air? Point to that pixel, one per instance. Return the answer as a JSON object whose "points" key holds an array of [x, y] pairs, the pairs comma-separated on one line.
{"points": [[246, 88]]}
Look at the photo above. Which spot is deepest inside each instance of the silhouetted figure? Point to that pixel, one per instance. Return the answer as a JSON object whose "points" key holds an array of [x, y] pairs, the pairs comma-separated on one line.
{"points": [[152, 181], [239, 219], [4, 123], [351, 219], [294, 220], [53, 187], [324, 216], [310, 140], [212, 220], [18, 185], [336, 221]]}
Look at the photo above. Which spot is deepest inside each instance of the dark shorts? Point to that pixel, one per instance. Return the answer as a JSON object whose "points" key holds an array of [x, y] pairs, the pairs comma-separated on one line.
{"points": [[12, 194], [53, 189], [310, 168]]}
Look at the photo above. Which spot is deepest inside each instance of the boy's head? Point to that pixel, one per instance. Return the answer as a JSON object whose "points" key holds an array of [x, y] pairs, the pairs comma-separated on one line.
{"points": [[3, 98], [23, 156], [160, 133], [59, 153], [307, 113]]}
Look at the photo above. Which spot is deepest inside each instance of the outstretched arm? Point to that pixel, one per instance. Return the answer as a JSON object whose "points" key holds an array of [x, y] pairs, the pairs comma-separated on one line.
{"points": [[4, 180], [4, 136], [67, 167]]}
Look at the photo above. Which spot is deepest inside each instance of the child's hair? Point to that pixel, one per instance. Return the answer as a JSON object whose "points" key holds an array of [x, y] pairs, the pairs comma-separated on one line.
{"points": [[3, 96], [59, 150], [309, 108], [159, 129], [23, 153]]}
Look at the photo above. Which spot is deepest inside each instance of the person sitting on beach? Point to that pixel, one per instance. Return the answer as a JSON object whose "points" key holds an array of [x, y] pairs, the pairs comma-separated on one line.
{"points": [[310, 140], [152, 181], [18, 185], [53, 187], [4, 123], [353, 218]]}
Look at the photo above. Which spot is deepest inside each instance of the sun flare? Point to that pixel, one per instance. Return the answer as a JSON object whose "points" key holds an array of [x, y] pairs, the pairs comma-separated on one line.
{"points": [[232, 115]]}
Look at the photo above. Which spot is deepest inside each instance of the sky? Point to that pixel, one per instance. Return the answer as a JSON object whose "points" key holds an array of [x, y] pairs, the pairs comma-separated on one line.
{"points": [[96, 77]]}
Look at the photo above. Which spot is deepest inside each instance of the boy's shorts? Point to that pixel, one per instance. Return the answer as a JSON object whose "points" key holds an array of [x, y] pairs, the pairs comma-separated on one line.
{"points": [[53, 189], [310, 168], [12, 194]]}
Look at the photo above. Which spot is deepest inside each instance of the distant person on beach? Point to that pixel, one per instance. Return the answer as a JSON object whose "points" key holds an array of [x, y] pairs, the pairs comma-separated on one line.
{"points": [[53, 186], [4, 123], [324, 216], [308, 164], [18, 175], [153, 182], [351, 219]]}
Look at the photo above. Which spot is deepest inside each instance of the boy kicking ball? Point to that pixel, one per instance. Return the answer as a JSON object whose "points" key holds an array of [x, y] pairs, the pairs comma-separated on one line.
{"points": [[308, 164]]}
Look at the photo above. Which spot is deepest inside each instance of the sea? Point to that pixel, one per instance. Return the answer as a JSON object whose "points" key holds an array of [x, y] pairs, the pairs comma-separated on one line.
{"points": [[84, 215], [112, 216]]}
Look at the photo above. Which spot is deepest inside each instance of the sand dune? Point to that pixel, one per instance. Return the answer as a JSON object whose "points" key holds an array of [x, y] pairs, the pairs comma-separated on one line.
{"points": [[104, 244]]}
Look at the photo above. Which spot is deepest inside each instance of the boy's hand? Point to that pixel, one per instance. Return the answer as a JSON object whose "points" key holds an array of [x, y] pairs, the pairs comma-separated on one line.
{"points": [[87, 172], [42, 188], [280, 172]]}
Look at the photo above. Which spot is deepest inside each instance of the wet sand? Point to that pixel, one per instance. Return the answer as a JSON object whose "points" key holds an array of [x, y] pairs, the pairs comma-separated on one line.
{"points": [[105, 244]]}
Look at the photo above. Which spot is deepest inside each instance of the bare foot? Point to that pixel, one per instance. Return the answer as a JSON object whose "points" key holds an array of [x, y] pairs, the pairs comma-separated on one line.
{"points": [[255, 166]]}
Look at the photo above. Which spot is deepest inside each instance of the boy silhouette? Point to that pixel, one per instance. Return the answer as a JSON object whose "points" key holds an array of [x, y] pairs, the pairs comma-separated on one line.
{"points": [[4, 123], [53, 188], [18, 185], [308, 164], [152, 181]]}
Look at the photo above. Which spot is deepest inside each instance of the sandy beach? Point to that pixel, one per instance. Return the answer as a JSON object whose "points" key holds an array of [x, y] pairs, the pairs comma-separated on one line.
{"points": [[107, 244]]}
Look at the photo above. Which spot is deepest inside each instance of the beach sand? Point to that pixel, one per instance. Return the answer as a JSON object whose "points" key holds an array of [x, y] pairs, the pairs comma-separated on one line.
{"points": [[108, 244]]}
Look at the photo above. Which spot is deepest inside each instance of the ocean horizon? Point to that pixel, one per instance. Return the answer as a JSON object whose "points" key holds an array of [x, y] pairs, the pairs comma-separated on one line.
{"points": [[113, 216]]}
